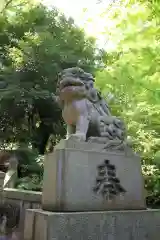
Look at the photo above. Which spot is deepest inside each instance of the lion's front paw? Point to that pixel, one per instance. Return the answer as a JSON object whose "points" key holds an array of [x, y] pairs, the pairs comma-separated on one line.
{"points": [[78, 137]]}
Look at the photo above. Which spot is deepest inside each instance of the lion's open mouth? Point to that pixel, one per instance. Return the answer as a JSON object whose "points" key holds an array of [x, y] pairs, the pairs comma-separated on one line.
{"points": [[70, 82]]}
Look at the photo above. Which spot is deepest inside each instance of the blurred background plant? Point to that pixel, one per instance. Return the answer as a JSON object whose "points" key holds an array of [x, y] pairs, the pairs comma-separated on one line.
{"points": [[132, 77]]}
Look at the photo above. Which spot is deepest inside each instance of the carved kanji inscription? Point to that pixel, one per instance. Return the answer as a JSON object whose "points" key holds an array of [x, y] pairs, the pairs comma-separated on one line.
{"points": [[107, 183]]}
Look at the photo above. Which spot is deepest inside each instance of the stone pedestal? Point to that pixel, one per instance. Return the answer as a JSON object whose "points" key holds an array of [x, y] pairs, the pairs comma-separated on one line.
{"points": [[111, 225], [81, 177]]}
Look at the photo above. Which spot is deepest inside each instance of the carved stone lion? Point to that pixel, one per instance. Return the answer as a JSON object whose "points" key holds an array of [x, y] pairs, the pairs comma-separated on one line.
{"points": [[85, 112]]}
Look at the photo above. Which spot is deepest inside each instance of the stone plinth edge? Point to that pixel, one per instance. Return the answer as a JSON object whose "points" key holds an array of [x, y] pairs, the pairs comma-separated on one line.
{"points": [[116, 225]]}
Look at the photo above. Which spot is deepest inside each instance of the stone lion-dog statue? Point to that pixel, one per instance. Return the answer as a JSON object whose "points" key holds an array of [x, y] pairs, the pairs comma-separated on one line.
{"points": [[86, 112]]}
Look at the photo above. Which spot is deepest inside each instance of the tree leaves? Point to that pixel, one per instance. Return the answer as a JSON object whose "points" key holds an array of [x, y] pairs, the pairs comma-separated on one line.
{"points": [[132, 76], [36, 44]]}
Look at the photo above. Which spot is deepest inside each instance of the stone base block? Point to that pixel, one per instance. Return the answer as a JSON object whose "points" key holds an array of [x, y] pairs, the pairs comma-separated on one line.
{"points": [[85, 178], [111, 225]]}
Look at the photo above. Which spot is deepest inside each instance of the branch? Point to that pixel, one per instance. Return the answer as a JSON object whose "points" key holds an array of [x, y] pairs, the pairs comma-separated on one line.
{"points": [[14, 6], [20, 5], [6, 5]]}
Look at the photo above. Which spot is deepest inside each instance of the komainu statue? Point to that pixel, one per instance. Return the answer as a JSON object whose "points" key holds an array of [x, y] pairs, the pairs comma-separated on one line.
{"points": [[86, 112]]}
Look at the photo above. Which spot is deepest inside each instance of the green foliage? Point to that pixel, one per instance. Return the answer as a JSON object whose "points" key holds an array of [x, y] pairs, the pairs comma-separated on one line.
{"points": [[32, 182], [152, 184], [132, 76], [30, 169], [29, 162], [35, 45]]}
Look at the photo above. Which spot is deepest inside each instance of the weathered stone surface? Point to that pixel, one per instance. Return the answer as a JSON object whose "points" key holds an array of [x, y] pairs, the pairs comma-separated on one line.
{"points": [[23, 200], [86, 112], [2, 176], [70, 176], [22, 195], [111, 225], [71, 143]]}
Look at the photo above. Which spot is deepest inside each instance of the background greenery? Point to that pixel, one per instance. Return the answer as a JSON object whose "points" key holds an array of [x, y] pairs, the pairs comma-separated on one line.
{"points": [[37, 43]]}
